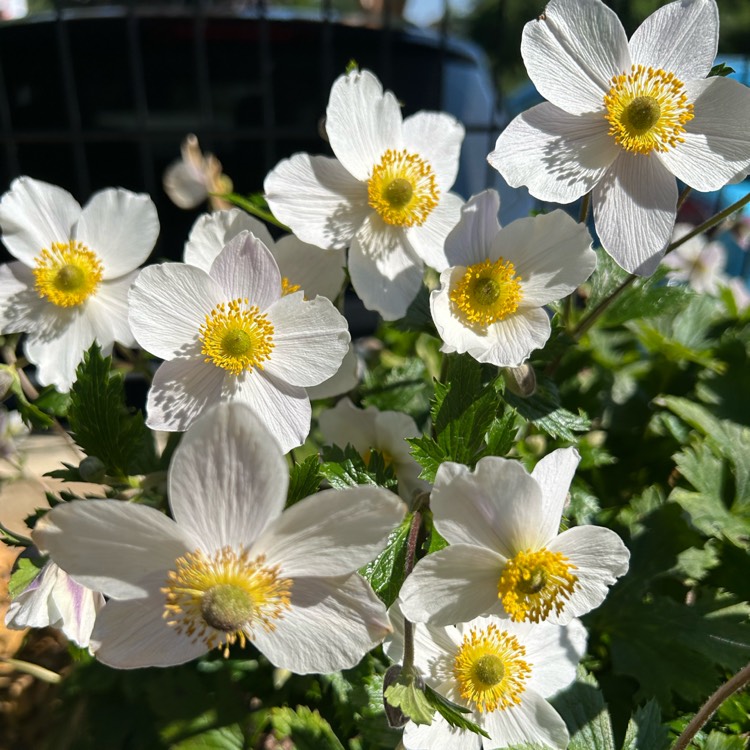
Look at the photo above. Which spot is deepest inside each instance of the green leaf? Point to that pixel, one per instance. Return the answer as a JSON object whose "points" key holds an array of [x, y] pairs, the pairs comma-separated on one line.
{"points": [[454, 714], [428, 454], [304, 480], [585, 713], [719, 741], [400, 388], [222, 738], [411, 701], [307, 729], [31, 414], [53, 402], [645, 729], [386, 573], [25, 571], [346, 468], [102, 425], [544, 411], [721, 69]]}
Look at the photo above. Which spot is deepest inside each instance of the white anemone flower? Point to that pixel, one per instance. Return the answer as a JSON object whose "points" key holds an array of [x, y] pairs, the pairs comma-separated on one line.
{"points": [[502, 671], [385, 195], [231, 567], [196, 177], [70, 284], [230, 335], [371, 429], [490, 300], [53, 599], [699, 263], [314, 270], [505, 555], [623, 119]]}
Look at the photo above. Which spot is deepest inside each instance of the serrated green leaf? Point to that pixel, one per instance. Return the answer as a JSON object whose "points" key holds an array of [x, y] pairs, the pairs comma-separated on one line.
{"points": [[222, 738], [25, 571], [411, 701], [346, 468], [719, 741], [543, 409], [52, 401], [582, 707], [307, 729], [428, 454], [720, 69], [402, 388], [645, 729], [454, 714], [102, 425], [386, 573], [304, 480]]}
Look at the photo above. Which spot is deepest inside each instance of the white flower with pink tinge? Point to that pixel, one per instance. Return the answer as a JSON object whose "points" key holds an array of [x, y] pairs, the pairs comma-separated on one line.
{"points": [[623, 119]]}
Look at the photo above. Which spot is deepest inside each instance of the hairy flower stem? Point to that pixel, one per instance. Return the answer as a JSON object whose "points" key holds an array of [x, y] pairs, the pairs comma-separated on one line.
{"points": [[251, 208], [597, 312], [707, 710], [411, 556]]}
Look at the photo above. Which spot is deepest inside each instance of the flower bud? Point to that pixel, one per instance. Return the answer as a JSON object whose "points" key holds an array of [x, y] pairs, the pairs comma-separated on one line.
{"points": [[520, 380]]}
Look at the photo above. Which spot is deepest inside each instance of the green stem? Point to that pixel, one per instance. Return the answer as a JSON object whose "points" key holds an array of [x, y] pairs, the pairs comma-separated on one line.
{"points": [[411, 556], [585, 204], [707, 710], [683, 197], [597, 312], [251, 208]]}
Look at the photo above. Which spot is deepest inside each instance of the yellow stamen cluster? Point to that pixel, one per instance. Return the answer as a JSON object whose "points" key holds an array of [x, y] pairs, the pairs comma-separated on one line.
{"points": [[236, 337], [222, 600], [287, 287], [68, 274], [490, 670], [532, 584], [403, 189], [486, 293], [647, 109]]}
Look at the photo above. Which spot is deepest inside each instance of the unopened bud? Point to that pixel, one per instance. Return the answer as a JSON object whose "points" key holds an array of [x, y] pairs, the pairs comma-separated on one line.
{"points": [[92, 469], [6, 380], [520, 380], [396, 717]]}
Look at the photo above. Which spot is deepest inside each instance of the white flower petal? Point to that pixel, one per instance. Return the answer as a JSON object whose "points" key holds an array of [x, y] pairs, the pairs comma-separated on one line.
{"points": [[315, 270], [57, 351], [120, 227], [108, 311], [634, 212], [362, 122], [717, 139], [551, 253], [132, 634], [310, 339], [385, 273], [436, 137], [553, 474], [600, 558], [33, 215], [168, 305], [78, 607], [332, 533], [497, 506], [331, 625], [342, 381], [245, 269], [572, 51], [211, 232], [227, 462], [181, 391], [428, 240], [31, 608], [532, 721], [680, 38], [184, 184], [110, 546], [470, 241], [20, 305], [439, 736], [284, 408], [346, 424], [558, 156], [315, 196], [553, 652], [453, 585]]}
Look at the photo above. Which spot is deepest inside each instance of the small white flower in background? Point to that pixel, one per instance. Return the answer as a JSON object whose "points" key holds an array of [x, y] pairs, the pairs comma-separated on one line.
{"points": [[490, 300], [311, 269], [385, 195], [505, 554], [231, 335], [699, 263], [371, 429], [625, 118], [12, 428], [740, 292], [232, 567], [53, 599], [70, 284], [503, 671], [192, 179]]}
